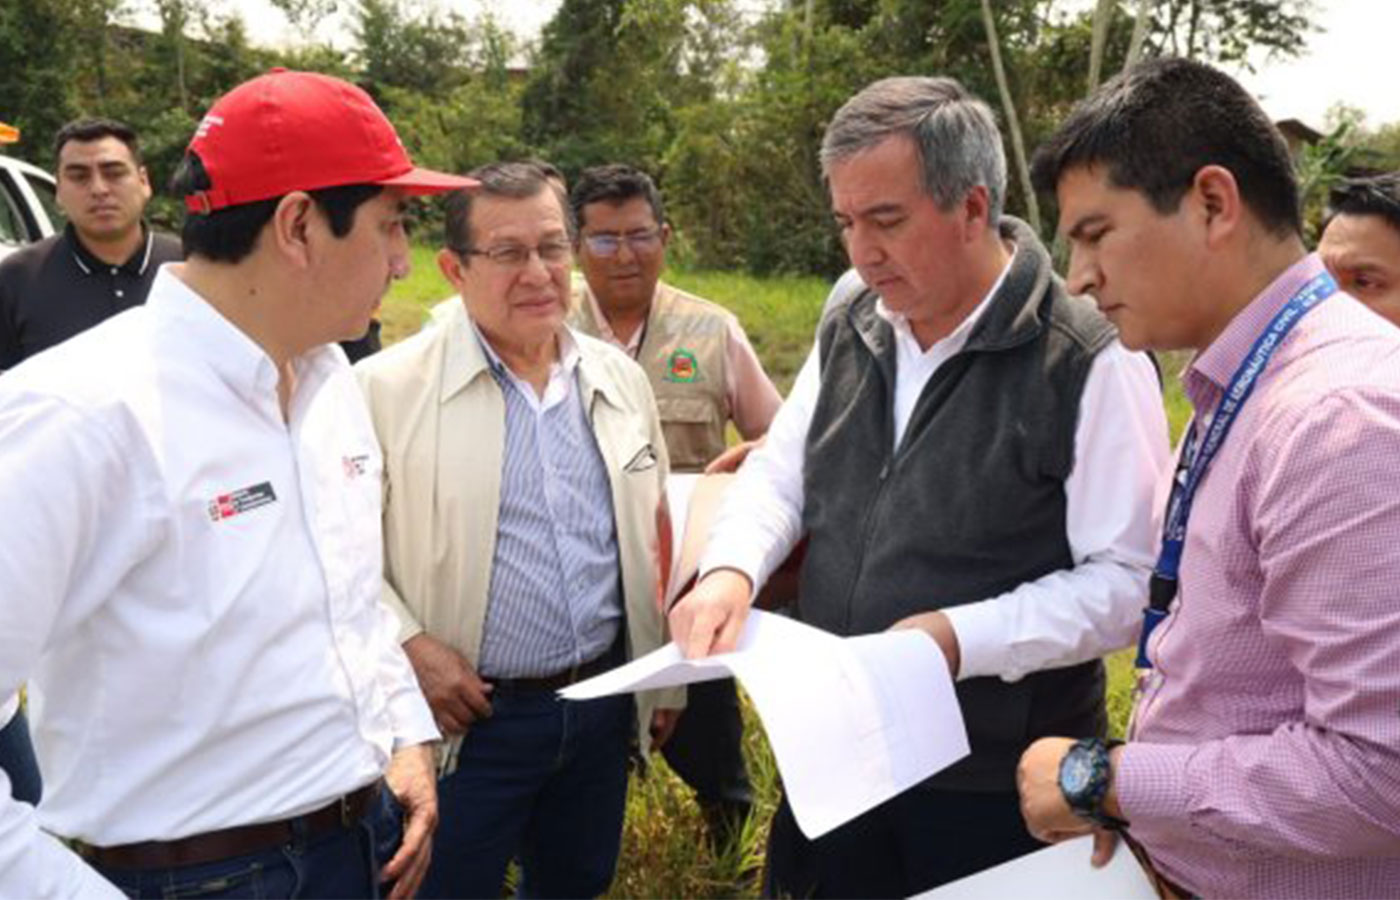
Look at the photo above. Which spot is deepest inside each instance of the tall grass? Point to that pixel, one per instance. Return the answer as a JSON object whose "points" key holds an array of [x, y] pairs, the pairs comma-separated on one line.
{"points": [[664, 850]]}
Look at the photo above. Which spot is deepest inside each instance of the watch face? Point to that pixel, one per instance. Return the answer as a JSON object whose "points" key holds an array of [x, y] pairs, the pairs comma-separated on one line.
{"points": [[1077, 772]]}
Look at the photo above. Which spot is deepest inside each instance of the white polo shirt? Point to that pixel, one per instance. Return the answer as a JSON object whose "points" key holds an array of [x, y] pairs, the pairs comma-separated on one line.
{"points": [[191, 585]]}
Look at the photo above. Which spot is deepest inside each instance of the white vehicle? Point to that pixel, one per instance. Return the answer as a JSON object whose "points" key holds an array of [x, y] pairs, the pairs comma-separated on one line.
{"points": [[28, 208]]}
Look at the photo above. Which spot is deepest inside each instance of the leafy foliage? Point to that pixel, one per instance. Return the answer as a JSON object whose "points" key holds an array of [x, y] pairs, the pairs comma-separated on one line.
{"points": [[723, 101]]}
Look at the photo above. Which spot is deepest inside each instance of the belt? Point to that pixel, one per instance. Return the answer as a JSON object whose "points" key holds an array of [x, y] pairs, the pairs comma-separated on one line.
{"points": [[1166, 888], [550, 683], [241, 840]]}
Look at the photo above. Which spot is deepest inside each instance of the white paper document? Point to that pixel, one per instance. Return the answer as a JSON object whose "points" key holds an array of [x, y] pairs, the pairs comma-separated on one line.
{"points": [[852, 721], [1061, 872]]}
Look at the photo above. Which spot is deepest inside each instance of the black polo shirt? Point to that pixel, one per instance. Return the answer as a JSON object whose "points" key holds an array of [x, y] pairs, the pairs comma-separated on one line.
{"points": [[55, 288]]}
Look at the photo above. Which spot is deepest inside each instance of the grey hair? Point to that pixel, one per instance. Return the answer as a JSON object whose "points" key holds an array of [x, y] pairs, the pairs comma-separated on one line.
{"points": [[954, 132], [515, 180]]}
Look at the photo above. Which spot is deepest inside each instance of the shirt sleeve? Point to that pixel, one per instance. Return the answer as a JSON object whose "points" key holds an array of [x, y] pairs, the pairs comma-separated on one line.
{"points": [[760, 518], [753, 400], [1326, 785], [58, 558], [1077, 614], [412, 719]]}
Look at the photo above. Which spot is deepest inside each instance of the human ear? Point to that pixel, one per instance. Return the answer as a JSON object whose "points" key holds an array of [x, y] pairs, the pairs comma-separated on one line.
{"points": [[450, 265], [291, 228], [977, 210], [1217, 195]]}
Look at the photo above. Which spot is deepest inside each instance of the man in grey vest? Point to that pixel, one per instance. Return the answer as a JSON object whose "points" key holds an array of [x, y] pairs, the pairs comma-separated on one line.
{"points": [[970, 451]]}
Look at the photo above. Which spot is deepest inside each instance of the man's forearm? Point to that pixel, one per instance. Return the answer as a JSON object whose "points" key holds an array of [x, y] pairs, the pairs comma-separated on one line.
{"points": [[1289, 793]]}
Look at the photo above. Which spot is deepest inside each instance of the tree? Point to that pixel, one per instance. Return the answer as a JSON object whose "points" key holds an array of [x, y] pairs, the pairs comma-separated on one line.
{"points": [[401, 46], [610, 76], [1228, 31], [1013, 121], [35, 82], [307, 15]]}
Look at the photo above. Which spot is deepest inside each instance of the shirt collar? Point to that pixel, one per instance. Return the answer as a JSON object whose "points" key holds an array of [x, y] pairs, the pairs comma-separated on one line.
{"points": [[135, 265], [954, 340], [565, 362], [1216, 364], [634, 344], [233, 356]]}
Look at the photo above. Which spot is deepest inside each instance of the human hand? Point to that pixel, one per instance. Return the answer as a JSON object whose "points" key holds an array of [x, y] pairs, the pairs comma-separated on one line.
{"points": [[732, 458], [1043, 806], [663, 725], [455, 693], [939, 627], [412, 776], [709, 619], [1105, 842]]}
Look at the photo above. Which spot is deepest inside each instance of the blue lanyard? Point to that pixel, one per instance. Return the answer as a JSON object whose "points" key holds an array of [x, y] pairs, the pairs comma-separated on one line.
{"points": [[1196, 456]]}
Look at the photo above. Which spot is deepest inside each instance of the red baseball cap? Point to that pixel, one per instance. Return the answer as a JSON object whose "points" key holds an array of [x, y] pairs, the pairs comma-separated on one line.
{"points": [[301, 131]]}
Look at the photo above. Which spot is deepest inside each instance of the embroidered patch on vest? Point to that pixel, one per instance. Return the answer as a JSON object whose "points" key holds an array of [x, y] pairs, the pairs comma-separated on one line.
{"points": [[682, 366]]}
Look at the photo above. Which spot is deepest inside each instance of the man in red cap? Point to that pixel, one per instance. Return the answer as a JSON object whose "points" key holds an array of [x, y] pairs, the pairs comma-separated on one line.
{"points": [[193, 589]]}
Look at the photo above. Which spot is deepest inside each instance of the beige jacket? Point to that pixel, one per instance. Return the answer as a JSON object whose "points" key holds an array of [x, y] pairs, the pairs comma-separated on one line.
{"points": [[440, 419]]}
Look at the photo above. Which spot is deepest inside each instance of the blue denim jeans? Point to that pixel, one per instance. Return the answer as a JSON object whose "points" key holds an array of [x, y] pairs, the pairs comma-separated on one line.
{"points": [[543, 781], [17, 759], [342, 863]]}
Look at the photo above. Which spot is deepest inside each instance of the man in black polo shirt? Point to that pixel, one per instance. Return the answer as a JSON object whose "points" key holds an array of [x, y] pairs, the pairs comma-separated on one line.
{"points": [[102, 263]]}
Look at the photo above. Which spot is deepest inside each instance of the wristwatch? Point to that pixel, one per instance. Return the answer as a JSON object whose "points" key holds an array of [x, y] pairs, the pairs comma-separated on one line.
{"points": [[1084, 777]]}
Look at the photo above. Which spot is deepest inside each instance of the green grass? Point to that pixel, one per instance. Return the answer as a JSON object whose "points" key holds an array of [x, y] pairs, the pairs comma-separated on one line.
{"points": [[406, 308], [664, 851]]}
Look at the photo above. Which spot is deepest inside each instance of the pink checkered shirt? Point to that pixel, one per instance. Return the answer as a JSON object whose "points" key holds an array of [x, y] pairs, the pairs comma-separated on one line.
{"points": [[1265, 751]]}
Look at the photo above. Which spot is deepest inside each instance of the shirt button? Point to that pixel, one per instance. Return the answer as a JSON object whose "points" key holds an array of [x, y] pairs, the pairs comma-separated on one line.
{"points": [[114, 271], [121, 293]]}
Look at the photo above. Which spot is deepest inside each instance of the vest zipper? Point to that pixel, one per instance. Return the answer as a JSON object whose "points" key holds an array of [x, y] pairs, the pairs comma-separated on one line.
{"points": [[881, 480]]}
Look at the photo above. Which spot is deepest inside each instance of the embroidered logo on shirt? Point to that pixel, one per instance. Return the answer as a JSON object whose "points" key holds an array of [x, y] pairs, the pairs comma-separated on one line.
{"points": [[355, 465], [226, 506], [682, 366]]}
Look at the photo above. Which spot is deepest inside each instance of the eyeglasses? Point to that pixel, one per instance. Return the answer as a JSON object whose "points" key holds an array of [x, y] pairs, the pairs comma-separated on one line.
{"points": [[516, 256], [609, 244]]}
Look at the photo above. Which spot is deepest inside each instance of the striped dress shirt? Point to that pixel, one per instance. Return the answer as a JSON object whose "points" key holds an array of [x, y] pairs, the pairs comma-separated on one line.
{"points": [[555, 599]]}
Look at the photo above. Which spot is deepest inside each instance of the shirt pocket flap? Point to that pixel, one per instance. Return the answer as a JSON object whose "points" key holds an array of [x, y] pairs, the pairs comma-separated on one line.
{"points": [[685, 409]]}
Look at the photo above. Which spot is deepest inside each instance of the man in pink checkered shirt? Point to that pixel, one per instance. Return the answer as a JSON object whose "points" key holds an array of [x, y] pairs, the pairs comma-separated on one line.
{"points": [[1264, 755]]}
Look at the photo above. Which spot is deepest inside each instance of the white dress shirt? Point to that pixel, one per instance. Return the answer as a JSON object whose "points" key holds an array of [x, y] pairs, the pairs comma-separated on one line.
{"points": [[191, 585], [1060, 619]]}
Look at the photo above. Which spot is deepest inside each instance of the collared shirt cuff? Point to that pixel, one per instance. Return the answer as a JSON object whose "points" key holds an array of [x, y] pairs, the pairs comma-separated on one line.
{"points": [[1151, 785], [982, 642], [722, 554], [413, 722]]}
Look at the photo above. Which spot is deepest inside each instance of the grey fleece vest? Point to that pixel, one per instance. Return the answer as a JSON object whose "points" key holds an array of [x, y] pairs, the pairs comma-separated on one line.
{"points": [[972, 502]]}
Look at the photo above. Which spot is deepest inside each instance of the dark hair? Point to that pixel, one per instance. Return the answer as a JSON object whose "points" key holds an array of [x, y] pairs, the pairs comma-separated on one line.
{"points": [[1156, 125], [516, 180], [84, 130], [615, 184], [1375, 196], [230, 234]]}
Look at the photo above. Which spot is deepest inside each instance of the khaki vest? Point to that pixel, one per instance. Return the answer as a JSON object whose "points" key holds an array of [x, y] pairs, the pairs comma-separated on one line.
{"points": [[683, 354]]}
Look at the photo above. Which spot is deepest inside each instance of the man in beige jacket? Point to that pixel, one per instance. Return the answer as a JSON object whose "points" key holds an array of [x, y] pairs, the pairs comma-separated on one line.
{"points": [[524, 467]]}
